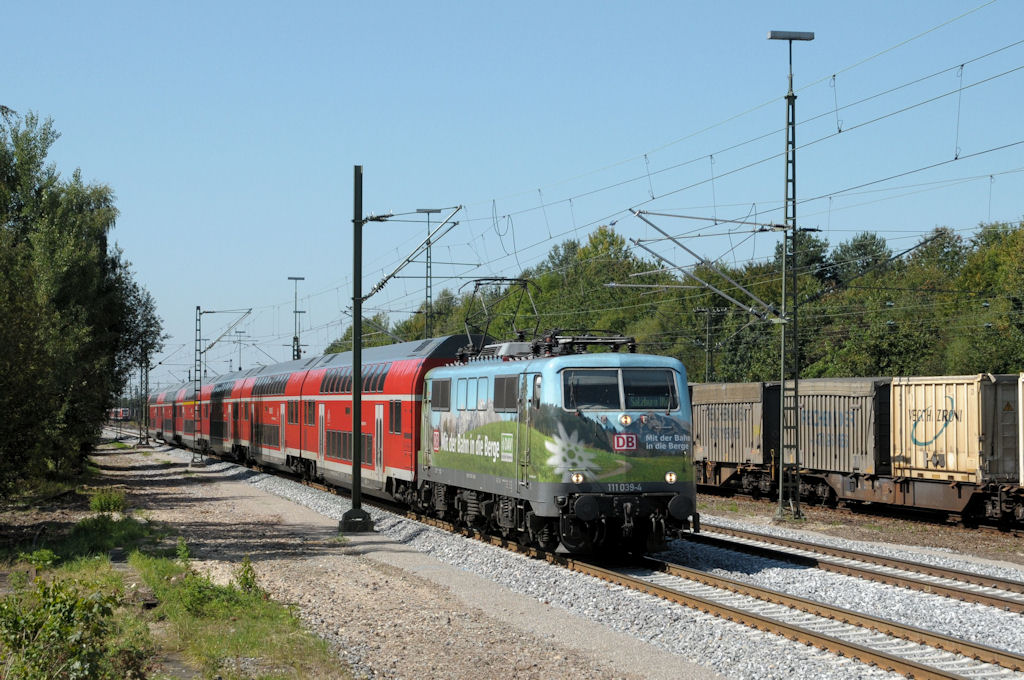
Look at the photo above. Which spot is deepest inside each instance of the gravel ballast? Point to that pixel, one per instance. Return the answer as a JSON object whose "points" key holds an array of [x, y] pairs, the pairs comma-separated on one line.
{"points": [[466, 609]]}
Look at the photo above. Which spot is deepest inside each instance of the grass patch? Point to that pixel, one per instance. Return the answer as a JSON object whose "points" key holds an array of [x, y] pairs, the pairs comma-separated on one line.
{"points": [[78, 619], [232, 631], [107, 500], [88, 538], [73, 625]]}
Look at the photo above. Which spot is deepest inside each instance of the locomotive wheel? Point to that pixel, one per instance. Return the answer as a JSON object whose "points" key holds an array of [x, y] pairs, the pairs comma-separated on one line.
{"points": [[545, 538]]}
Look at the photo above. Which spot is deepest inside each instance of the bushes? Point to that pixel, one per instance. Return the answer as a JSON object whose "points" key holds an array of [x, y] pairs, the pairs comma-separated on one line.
{"points": [[107, 501], [57, 632]]}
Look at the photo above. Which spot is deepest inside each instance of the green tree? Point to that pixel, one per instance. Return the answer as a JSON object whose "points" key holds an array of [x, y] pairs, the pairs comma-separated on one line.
{"points": [[66, 301], [375, 334], [864, 252]]}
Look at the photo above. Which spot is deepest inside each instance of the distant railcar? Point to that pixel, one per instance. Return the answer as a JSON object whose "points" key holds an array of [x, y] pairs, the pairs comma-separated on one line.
{"points": [[949, 443]]}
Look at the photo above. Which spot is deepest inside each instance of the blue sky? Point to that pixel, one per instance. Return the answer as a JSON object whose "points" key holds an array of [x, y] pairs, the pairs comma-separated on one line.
{"points": [[229, 130]]}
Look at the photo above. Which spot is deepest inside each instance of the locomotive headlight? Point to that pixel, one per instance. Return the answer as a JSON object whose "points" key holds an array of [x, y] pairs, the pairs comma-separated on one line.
{"points": [[576, 477], [625, 419], [670, 477]]}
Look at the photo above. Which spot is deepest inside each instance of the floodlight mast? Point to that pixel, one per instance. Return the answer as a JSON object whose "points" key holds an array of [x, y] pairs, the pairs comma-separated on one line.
{"points": [[789, 485]]}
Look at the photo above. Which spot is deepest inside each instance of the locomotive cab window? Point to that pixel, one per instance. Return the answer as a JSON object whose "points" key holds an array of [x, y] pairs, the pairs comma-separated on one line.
{"points": [[650, 389], [591, 389], [506, 393], [612, 389]]}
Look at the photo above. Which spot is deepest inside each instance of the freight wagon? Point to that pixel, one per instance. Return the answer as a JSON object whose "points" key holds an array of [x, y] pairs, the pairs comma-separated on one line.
{"points": [[948, 443]]}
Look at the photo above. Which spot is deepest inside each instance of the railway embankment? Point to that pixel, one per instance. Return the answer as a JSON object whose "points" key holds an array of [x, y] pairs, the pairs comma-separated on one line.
{"points": [[386, 609]]}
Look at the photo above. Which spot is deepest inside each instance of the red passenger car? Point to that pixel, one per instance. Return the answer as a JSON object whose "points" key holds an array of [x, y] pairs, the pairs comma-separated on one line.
{"points": [[298, 415]]}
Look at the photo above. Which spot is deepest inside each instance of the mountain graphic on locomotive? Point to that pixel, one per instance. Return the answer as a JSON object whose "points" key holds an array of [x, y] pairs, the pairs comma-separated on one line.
{"points": [[544, 442]]}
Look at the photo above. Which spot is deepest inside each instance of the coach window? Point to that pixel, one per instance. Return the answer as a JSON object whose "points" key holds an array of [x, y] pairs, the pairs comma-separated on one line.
{"points": [[395, 417], [310, 413], [506, 393], [440, 394], [471, 394], [536, 391], [460, 397]]}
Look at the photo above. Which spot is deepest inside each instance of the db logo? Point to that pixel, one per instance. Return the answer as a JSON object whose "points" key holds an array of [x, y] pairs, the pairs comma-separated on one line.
{"points": [[624, 442], [437, 441]]}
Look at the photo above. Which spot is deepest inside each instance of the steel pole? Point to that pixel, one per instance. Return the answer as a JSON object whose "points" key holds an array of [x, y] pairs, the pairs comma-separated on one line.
{"points": [[356, 519]]}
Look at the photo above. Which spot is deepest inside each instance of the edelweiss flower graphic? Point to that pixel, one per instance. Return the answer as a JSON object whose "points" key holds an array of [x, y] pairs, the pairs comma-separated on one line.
{"points": [[567, 452]]}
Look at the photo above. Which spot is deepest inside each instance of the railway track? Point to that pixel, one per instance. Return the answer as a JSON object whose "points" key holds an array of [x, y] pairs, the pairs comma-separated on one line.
{"points": [[911, 651], [894, 646], [961, 585], [949, 520]]}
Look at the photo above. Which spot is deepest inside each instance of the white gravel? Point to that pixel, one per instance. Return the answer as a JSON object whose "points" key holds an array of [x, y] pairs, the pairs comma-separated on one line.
{"points": [[730, 649]]}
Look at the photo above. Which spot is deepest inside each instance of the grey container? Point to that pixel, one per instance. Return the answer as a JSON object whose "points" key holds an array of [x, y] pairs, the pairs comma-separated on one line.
{"points": [[734, 422], [844, 425]]}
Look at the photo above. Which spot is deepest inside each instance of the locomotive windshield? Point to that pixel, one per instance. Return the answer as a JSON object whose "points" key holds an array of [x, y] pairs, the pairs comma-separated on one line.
{"points": [[608, 389]]}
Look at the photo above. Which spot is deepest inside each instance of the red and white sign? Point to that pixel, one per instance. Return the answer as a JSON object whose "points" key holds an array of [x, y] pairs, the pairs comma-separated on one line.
{"points": [[437, 441], [624, 442]]}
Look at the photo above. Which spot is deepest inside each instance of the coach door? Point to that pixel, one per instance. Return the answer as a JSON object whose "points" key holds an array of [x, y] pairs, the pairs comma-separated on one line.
{"points": [[255, 413], [378, 438], [280, 426], [320, 436]]}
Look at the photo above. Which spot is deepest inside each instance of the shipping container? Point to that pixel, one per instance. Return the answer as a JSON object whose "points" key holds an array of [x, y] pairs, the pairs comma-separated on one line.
{"points": [[729, 422], [1020, 430], [844, 425], [957, 428]]}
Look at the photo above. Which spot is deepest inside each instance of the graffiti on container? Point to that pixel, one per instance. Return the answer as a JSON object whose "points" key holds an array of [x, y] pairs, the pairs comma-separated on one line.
{"points": [[944, 416], [828, 426], [722, 419], [828, 417], [824, 440]]}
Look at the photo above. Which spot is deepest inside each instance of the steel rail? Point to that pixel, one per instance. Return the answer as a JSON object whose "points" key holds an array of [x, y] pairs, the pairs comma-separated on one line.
{"points": [[795, 632], [966, 648], [802, 634], [1013, 603]]}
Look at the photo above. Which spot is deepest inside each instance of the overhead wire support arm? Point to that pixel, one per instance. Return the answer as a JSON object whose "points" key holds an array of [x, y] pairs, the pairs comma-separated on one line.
{"points": [[761, 309], [230, 328], [431, 237], [761, 225]]}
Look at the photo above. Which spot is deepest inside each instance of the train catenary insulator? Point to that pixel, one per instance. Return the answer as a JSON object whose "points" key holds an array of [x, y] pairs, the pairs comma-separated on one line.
{"points": [[576, 451]]}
